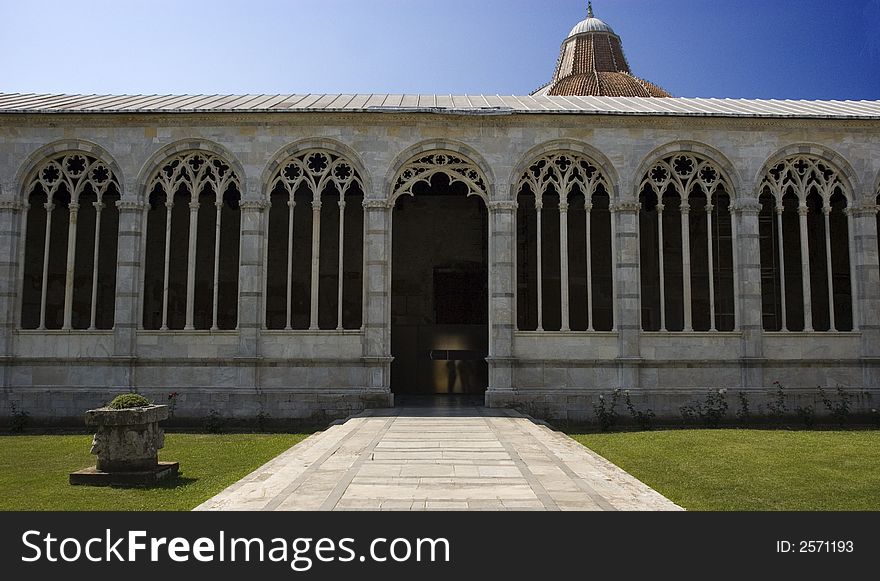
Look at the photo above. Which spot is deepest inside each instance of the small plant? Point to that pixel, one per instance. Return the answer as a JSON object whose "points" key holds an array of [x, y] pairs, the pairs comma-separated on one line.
{"points": [[839, 410], [18, 419], [716, 407], [126, 401], [605, 412], [172, 403], [807, 415], [744, 412], [692, 412], [262, 420], [214, 422], [711, 411], [777, 406], [644, 418]]}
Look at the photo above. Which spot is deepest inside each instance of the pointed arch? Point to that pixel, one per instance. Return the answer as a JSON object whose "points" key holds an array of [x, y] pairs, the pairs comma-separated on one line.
{"points": [[571, 147], [725, 168], [422, 161], [27, 168], [331, 146], [161, 156], [829, 157]]}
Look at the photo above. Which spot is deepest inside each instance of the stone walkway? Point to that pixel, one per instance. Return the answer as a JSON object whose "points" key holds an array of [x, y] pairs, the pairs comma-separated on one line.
{"points": [[410, 458]]}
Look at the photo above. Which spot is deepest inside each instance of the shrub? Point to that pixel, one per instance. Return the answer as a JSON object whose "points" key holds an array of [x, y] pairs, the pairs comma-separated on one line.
{"points": [[807, 415], [744, 412], [19, 419], [172, 403], [777, 407], [605, 412], [126, 401], [839, 410], [262, 421], [711, 411], [642, 418], [214, 422]]}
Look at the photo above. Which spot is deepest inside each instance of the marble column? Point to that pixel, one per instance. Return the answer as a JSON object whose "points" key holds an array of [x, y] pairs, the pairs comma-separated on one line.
{"points": [[70, 266], [803, 210], [780, 209], [316, 264], [747, 245], [686, 264], [502, 301], [563, 263], [191, 263]]}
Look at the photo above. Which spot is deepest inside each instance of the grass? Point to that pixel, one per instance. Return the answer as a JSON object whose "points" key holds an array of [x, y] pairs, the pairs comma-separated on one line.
{"points": [[758, 470], [34, 471]]}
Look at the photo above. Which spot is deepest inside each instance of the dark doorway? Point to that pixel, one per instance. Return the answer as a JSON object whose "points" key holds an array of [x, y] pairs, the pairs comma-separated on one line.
{"points": [[439, 298]]}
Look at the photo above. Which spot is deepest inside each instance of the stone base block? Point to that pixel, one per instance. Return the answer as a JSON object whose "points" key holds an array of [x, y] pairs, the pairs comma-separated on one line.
{"points": [[164, 472]]}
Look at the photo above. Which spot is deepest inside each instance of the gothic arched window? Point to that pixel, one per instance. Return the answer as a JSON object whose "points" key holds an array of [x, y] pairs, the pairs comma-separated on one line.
{"points": [[805, 260], [686, 235], [70, 244], [193, 234], [315, 258], [564, 242]]}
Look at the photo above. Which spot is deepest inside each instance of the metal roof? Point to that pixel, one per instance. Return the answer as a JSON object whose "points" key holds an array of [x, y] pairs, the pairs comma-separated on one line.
{"points": [[441, 104]]}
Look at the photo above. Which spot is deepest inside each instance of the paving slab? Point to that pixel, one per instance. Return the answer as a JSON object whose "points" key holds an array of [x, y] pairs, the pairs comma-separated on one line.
{"points": [[445, 458]]}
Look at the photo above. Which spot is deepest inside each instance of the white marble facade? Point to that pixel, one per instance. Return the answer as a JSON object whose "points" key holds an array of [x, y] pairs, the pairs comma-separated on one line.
{"points": [[55, 374]]}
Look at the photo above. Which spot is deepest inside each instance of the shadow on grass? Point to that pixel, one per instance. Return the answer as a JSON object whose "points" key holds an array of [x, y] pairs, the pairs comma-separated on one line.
{"points": [[182, 482]]}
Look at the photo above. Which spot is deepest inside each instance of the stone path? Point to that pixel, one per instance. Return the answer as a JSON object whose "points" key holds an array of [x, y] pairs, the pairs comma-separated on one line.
{"points": [[469, 458]]}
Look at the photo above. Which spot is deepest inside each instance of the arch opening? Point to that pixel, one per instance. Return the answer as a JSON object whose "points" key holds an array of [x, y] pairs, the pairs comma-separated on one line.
{"points": [[439, 287]]}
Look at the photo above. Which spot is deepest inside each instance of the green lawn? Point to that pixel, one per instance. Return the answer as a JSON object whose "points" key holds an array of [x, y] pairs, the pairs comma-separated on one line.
{"points": [[34, 470], [751, 469]]}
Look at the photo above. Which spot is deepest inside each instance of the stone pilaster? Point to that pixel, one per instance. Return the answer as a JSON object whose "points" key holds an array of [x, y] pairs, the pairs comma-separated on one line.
{"points": [[250, 288], [749, 307], [866, 286], [128, 276], [627, 289], [377, 296], [10, 240], [502, 300]]}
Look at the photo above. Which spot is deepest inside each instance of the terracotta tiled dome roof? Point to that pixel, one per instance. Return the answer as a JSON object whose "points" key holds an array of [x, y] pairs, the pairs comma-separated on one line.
{"points": [[592, 63]]}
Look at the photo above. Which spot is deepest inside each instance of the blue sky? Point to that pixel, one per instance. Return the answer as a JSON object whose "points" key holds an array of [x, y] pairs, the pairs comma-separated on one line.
{"points": [[799, 49]]}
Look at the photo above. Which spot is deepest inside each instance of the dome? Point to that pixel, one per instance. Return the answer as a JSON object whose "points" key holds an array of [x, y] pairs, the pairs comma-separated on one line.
{"points": [[592, 63], [590, 24]]}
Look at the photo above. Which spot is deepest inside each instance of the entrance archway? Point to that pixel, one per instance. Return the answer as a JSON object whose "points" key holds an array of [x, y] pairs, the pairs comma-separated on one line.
{"points": [[439, 288]]}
